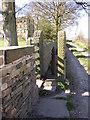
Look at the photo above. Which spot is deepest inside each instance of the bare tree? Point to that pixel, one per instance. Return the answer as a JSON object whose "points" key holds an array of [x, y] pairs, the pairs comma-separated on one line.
{"points": [[85, 5], [9, 27], [60, 12]]}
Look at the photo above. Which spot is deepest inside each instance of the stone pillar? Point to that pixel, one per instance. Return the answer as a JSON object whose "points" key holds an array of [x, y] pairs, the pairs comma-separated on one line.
{"points": [[61, 55], [38, 43]]}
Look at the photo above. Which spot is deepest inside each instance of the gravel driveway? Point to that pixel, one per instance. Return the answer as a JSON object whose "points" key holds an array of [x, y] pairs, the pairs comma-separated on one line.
{"points": [[79, 87]]}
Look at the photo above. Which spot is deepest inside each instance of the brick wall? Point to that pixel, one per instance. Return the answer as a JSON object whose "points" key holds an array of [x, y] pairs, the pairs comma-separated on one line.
{"points": [[19, 91]]}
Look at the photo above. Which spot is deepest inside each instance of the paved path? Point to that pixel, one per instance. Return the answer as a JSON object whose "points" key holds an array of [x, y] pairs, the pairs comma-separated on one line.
{"points": [[53, 108], [79, 89], [50, 107]]}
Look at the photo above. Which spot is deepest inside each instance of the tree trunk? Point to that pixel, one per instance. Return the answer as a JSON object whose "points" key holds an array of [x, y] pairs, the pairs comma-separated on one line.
{"points": [[56, 22], [9, 27], [37, 23], [56, 26]]}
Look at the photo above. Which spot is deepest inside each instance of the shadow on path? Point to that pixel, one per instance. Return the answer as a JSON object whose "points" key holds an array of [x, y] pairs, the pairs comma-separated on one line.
{"points": [[79, 87]]}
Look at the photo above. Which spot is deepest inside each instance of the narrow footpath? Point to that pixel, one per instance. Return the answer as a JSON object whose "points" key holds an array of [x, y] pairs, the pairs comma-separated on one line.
{"points": [[49, 106], [79, 86]]}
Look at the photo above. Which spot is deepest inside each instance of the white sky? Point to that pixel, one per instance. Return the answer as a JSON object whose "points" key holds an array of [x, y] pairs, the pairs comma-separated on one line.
{"points": [[82, 27]]}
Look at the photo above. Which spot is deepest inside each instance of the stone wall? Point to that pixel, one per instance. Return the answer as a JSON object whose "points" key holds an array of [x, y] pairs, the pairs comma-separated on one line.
{"points": [[42, 52], [18, 89], [47, 55], [38, 45], [61, 55]]}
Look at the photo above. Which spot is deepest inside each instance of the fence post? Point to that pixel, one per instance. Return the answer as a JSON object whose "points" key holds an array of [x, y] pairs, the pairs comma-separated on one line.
{"points": [[61, 67]]}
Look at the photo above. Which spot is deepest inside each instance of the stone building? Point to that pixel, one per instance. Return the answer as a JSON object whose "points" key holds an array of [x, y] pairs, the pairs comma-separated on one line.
{"points": [[24, 25]]}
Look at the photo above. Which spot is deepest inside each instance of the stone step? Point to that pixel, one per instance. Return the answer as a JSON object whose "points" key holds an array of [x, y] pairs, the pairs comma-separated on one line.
{"points": [[50, 85], [39, 83]]}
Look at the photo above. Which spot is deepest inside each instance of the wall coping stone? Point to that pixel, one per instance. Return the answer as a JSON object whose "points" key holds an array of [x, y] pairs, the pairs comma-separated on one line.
{"points": [[13, 53]]}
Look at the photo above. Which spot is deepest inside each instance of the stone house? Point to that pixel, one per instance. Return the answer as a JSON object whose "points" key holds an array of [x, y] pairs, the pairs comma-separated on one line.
{"points": [[24, 25]]}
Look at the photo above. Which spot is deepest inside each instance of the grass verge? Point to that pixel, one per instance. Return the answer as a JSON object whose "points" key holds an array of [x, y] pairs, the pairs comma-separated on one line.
{"points": [[82, 59], [20, 43]]}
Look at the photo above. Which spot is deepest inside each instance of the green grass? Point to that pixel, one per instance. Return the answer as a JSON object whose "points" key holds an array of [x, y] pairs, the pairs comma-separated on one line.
{"points": [[1, 43], [44, 93], [20, 43], [82, 46], [61, 98], [81, 43], [70, 105], [82, 59], [68, 98], [62, 85]]}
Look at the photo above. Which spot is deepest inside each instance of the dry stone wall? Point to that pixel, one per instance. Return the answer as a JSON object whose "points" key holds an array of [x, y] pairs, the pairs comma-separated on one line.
{"points": [[38, 46], [18, 89]]}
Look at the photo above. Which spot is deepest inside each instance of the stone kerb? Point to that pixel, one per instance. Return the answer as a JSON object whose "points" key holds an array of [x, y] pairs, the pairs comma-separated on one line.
{"points": [[61, 54]]}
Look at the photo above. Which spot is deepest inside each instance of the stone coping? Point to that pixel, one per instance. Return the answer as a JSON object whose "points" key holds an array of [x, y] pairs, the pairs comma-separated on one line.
{"points": [[15, 47], [13, 53]]}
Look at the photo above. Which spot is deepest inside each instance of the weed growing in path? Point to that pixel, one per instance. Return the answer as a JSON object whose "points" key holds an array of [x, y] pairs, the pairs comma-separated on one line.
{"points": [[70, 105]]}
